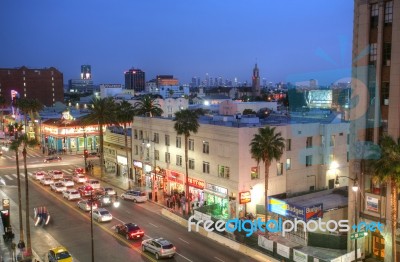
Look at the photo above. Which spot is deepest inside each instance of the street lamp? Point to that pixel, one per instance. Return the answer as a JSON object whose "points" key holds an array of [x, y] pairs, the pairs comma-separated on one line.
{"points": [[315, 181], [355, 188], [91, 222]]}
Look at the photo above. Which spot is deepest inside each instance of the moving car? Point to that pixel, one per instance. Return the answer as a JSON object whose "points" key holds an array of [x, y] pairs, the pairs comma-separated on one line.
{"points": [[106, 191], [92, 154], [67, 182], [85, 190], [52, 159], [71, 194], [101, 215], [46, 181], [135, 195], [94, 183], [56, 174], [59, 254], [39, 175], [58, 187], [79, 170], [129, 230], [85, 205], [159, 246], [104, 200], [79, 178]]}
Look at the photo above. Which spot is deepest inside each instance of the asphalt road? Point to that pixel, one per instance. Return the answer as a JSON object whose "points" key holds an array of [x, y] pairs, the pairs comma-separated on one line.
{"points": [[70, 226]]}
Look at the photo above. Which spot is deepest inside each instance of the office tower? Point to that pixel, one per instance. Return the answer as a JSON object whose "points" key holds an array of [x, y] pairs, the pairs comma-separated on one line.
{"points": [[135, 80], [256, 81], [376, 87], [86, 72]]}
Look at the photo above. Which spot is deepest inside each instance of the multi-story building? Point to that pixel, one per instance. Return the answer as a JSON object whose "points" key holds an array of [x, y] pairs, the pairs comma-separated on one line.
{"points": [[80, 86], [135, 79], [255, 80], [45, 84], [86, 72], [376, 87]]}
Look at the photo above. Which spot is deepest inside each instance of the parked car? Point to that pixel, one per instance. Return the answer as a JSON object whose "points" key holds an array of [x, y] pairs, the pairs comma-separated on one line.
{"points": [[46, 181], [159, 246], [56, 174], [129, 230], [71, 194], [92, 154], [39, 175], [59, 254], [135, 195], [52, 159], [85, 205], [79, 178], [101, 215], [58, 187], [85, 190], [67, 182], [79, 170], [94, 183]]}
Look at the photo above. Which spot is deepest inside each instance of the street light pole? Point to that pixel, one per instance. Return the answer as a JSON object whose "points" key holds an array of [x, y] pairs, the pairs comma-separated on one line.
{"points": [[91, 222]]}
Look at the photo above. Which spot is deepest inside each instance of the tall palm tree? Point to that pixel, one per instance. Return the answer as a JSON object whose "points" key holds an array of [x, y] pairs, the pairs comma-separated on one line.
{"points": [[266, 146], [186, 122], [2, 106], [35, 106], [387, 169], [24, 105], [125, 113], [102, 112], [17, 129], [148, 106]]}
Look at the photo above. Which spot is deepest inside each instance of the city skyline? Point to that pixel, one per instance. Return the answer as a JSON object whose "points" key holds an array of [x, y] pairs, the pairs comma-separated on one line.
{"points": [[287, 40]]}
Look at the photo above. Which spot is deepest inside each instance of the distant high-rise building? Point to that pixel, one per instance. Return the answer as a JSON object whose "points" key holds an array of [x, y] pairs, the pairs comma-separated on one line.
{"points": [[166, 80], [256, 82], [135, 80], [86, 72], [207, 80]]}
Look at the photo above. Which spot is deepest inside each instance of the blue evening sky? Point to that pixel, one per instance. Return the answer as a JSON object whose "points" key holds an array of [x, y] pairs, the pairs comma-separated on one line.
{"points": [[291, 40]]}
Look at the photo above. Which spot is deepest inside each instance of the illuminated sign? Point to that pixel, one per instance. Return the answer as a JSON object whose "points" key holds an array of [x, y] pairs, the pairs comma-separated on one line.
{"points": [[6, 203], [217, 189], [285, 209], [244, 197], [138, 164], [196, 183]]}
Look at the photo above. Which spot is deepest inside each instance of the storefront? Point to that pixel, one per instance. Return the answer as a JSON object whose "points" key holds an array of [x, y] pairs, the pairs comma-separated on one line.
{"points": [[122, 167], [244, 198], [175, 182], [138, 169], [217, 198], [196, 187]]}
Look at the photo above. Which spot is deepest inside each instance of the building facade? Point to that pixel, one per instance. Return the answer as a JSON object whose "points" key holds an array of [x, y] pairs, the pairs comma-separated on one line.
{"points": [[135, 80]]}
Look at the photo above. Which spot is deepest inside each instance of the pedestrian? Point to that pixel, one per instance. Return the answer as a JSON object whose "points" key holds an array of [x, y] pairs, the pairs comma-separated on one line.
{"points": [[13, 253], [21, 246]]}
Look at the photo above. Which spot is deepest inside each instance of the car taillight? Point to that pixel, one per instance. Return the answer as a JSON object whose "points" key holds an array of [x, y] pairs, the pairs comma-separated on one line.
{"points": [[174, 248]]}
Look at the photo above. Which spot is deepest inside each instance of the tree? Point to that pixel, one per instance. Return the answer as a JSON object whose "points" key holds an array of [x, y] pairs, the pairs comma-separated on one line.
{"points": [[16, 129], [2, 106], [249, 112], [387, 169], [102, 112], [125, 113], [148, 106], [186, 122], [266, 146]]}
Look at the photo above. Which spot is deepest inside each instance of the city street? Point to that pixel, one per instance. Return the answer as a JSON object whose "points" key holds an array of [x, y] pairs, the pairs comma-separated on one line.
{"points": [[70, 226]]}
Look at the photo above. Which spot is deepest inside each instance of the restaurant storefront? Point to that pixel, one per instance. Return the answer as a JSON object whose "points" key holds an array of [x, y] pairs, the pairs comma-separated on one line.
{"points": [[217, 197]]}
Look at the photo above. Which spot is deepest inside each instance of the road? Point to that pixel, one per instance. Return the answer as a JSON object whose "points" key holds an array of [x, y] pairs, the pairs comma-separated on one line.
{"points": [[71, 226]]}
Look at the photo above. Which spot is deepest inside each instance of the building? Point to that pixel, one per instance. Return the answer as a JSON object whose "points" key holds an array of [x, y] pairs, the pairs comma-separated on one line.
{"points": [[229, 107], [255, 80], [86, 72], [166, 80], [45, 84], [135, 80], [80, 86], [107, 90], [376, 85]]}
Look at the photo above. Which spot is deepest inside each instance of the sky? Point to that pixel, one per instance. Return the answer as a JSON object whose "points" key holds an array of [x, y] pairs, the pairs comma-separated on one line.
{"points": [[290, 40]]}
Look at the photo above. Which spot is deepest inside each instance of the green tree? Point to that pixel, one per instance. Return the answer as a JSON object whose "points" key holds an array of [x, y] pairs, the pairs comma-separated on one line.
{"points": [[249, 112], [125, 113], [387, 169], [186, 123], [266, 146], [102, 112], [148, 106], [31, 108]]}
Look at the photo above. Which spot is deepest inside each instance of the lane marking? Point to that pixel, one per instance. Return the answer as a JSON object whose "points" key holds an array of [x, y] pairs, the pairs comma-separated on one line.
{"points": [[153, 225], [183, 240], [184, 257], [219, 259], [10, 178]]}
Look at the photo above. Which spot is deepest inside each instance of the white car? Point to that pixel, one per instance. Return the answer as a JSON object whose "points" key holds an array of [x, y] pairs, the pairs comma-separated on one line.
{"points": [[46, 181], [94, 183], [85, 205], [159, 246], [106, 191], [79, 178], [71, 194], [39, 175], [101, 215], [67, 182], [56, 174], [135, 196], [58, 187]]}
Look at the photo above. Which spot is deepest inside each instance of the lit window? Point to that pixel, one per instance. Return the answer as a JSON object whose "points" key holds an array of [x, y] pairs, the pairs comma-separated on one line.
{"points": [[288, 164], [373, 51], [223, 171], [388, 12]]}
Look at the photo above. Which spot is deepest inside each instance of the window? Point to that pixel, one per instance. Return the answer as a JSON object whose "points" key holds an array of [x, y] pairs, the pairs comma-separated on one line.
{"points": [[254, 173], [136, 150], [206, 148], [348, 139], [167, 157], [388, 12], [191, 144], [348, 156], [140, 134], [178, 142], [156, 138], [191, 164], [206, 167], [288, 163], [373, 50], [167, 140], [279, 169], [387, 53], [178, 160], [309, 142], [332, 142], [223, 171], [385, 93], [288, 144], [156, 154], [374, 15], [322, 141], [135, 134], [308, 160]]}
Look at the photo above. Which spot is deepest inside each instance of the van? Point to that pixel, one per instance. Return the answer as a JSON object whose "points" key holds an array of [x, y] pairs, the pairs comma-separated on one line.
{"points": [[95, 184], [135, 196]]}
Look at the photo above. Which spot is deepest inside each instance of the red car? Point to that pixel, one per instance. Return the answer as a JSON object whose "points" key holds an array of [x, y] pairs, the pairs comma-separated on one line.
{"points": [[79, 170], [85, 191], [129, 230]]}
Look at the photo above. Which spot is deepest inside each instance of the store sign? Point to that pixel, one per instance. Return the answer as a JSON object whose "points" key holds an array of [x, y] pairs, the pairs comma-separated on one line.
{"points": [[138, 164], [122, 160], [244, 197], [285, 209], [6, 203], [372, 204], [196, 183], [147, 168], [217, 189]]}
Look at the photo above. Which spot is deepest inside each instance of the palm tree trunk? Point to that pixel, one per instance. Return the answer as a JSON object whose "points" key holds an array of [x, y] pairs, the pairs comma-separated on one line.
{"points": [[266, 184], [21, 227], [187, 174], [101, 149], [27, 208], [127, 153], [394, 216]]}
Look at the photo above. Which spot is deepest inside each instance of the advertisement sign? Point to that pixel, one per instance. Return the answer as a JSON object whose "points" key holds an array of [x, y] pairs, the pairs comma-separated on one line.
{"points": [[196, 183], [265, 243], [282, 250], [282, 208], [138, 164], [244, 197], [6, 203], [299, 256], [372, 204], [314, 212], [277, 206]]}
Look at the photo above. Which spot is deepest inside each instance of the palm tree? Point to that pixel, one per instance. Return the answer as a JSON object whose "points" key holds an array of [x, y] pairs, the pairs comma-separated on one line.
{"points": [[387, 169], [148, 106], [186, 122], [125, 113], [34, 108], [101, 111], [2, 106], [266, 146], [24, 106], [17, 128]]}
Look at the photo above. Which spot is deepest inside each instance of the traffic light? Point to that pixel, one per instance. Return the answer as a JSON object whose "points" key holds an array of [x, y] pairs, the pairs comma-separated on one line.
{"points": [[47, 139], [86, 153], [5, 217]]}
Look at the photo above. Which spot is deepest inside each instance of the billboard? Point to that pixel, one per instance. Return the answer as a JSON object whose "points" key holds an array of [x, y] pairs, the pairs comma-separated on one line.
{"points": [[289, 210]]}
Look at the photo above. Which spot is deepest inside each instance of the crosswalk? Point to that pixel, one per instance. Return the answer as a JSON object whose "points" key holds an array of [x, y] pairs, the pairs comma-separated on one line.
{"points": [[29, 154], [13, 176]]}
